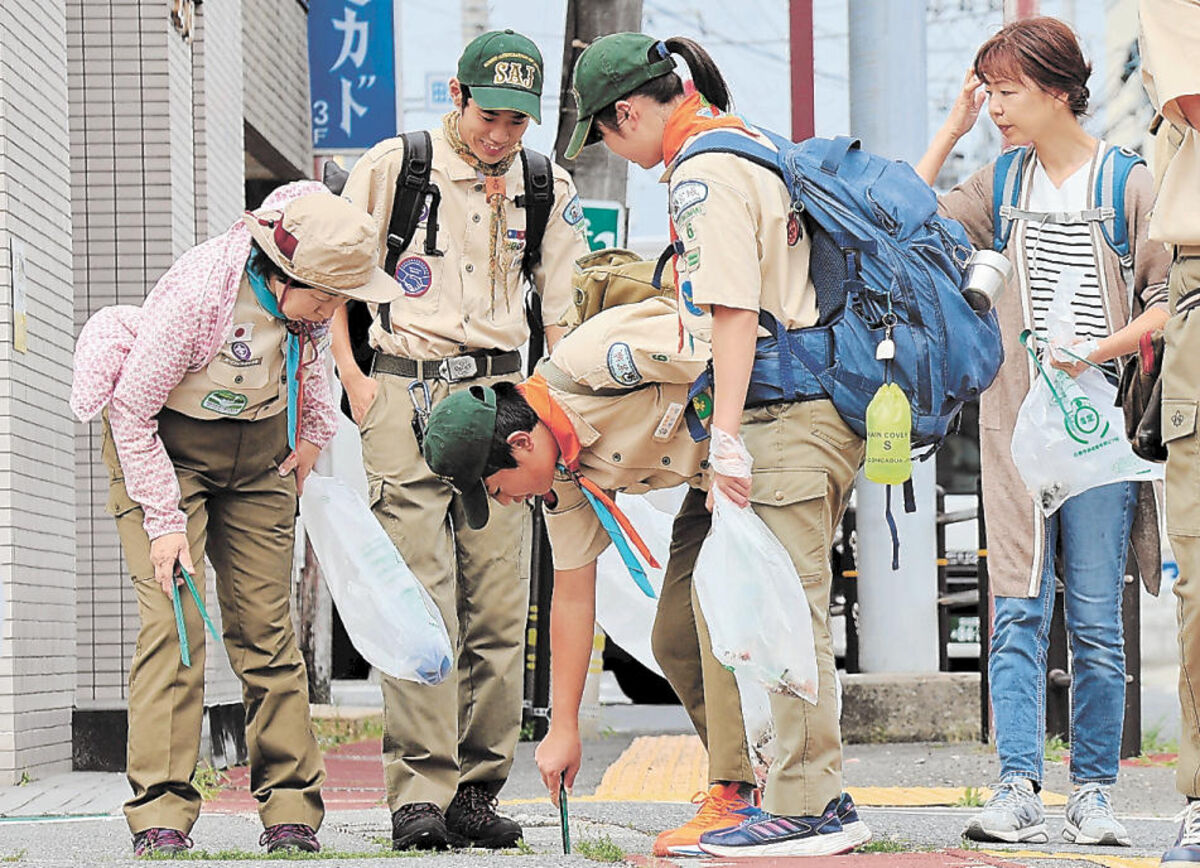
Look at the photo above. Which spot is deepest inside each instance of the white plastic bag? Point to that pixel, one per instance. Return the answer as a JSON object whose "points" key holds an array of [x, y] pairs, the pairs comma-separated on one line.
{"points": [[1070, 437], [389, 616], [757, 613]]}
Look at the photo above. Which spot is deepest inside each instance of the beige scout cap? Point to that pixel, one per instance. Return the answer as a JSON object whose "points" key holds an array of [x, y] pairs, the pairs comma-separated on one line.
{"points": [[324, 241]]}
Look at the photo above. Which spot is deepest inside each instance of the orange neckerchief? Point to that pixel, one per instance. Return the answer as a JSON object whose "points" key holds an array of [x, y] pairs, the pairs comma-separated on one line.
{"points": [[536, 392], [695, 115]]}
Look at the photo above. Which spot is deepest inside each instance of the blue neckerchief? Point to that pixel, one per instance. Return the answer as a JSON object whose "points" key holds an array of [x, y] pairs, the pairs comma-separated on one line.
{"points": [[617, 535], [268, 302]]}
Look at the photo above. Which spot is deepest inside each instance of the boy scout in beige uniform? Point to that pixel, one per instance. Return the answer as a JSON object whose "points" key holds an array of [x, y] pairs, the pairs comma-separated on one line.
{"points": [[1170, 32], [460, 322]]}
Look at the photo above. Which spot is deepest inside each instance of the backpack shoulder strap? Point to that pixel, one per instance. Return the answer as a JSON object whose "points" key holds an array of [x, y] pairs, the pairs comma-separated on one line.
{"points": [[722, 142], [1006, 192], [412, 186], [538, 202], [1114, 172]]}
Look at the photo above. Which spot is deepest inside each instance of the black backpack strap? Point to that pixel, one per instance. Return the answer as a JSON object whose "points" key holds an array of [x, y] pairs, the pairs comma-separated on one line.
{"points": [[411, 189], [538, 202]]}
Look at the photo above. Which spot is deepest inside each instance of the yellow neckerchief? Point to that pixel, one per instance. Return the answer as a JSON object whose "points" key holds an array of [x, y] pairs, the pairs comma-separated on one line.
{"points": [[494, 177]]}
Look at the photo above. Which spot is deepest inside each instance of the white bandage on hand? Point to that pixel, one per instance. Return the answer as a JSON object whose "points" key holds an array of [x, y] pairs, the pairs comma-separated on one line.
{"points": [[727, 454]]}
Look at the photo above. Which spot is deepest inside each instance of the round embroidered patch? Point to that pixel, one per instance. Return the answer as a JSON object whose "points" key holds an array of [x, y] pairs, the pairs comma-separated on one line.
{"points": [[240, 350], [414, 276]]}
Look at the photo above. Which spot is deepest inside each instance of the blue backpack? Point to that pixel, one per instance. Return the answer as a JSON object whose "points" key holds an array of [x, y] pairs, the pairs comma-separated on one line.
{"points": [[885, 266], [1108, 201]]}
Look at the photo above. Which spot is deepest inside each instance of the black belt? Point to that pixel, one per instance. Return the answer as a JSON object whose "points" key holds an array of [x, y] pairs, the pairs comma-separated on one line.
{"points": [[454, 369]]}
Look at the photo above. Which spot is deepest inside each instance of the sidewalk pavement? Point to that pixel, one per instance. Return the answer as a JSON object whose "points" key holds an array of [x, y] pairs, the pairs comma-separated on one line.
{"points": [[637, 779]]}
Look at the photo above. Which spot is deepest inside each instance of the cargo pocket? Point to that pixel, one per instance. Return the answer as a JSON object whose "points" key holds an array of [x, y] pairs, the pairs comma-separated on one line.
{"points": [[374, 492], [793, 504], [1183, 466], [119, 501]]}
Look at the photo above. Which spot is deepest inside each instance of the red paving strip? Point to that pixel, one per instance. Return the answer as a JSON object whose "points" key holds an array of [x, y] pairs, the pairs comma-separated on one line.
{"points": [[938, 859], [353, 780]]}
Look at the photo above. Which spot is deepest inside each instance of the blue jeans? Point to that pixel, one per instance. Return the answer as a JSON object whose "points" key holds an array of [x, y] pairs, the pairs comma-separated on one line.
{"points": [[1094, 527]]}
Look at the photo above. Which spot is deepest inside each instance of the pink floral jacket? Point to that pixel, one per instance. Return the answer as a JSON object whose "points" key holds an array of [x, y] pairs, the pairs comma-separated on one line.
{"points": [[130, 358]]}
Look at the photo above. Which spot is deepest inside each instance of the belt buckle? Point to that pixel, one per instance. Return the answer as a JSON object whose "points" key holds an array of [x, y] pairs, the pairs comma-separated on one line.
{"points": [[457, 368]]}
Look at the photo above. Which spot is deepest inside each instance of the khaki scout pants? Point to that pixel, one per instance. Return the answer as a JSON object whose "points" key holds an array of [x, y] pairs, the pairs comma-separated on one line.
{"points": [[465, 729], [243, 515], [1180, 390], [683, 650], [805, 460]]}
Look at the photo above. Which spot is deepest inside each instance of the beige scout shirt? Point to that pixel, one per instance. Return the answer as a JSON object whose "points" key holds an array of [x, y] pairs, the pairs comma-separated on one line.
{"points": [[447, 305], [731, 215], [246, 379], [635, 442], [1170, 33]]}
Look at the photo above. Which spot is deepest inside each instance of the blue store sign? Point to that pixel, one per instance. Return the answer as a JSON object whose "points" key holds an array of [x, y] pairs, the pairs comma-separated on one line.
{"points": [[352, 71]]}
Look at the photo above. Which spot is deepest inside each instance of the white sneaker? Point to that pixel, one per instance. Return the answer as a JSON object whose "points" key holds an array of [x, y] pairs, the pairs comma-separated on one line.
{"points": [[1013, 814], [1090, 818]]}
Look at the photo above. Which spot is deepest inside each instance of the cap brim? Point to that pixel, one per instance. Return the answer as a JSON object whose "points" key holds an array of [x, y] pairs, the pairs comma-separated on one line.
{"points": [[380, 289], [583, 129], [474, 500], [508, 99]]}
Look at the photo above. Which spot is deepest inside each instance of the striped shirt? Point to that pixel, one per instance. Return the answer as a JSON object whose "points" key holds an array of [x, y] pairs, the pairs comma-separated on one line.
{"points": [[1056, 248]]}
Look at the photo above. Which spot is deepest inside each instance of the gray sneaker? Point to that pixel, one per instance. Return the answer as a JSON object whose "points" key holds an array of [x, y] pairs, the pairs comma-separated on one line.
{"points": [[1090, 818], [1014, 813]]}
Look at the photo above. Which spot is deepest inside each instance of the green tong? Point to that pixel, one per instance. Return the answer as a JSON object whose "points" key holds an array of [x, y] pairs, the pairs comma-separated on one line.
{"points": [[184, 653]]}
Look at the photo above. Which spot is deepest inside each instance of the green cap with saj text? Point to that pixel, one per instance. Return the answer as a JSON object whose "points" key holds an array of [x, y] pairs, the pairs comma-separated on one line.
{"points": [[458, 440], [503, 69]]}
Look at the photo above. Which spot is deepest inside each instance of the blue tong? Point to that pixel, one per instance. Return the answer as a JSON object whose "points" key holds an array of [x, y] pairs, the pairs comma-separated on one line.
{"points": [[184, 653]]}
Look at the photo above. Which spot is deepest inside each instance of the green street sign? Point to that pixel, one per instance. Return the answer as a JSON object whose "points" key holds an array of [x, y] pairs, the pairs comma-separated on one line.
{"points": [[605, 223]]}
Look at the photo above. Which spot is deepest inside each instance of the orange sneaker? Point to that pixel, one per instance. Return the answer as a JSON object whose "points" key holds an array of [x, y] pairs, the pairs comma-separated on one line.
{"points": [[720, 808]]}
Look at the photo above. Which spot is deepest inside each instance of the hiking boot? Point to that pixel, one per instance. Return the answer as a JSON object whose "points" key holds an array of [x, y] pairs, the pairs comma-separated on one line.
{"points": [[1014, 813], [1090, 818], [765, 834], [159, 841], [419, 826], [721, 807], [290, 836], [855, 829], [1187, 843], [472, 818]]}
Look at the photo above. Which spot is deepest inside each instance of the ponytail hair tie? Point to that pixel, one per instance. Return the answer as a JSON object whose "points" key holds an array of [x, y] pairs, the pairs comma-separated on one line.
{"points": [[661, 48]]}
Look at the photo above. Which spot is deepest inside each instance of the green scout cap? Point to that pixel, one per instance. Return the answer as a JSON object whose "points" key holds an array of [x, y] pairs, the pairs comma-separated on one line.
{"points": [[458, 438], [504, 71], [612, 67]]}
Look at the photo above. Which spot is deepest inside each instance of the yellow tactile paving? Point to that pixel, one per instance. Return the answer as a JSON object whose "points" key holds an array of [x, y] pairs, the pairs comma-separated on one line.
{"points": [[663, 768], [1107, 861]]}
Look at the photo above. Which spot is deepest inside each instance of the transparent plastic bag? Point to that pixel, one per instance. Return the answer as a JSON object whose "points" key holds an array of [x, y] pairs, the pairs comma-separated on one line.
{"points": [[389, 616], [1070, 436], [757, 612]]}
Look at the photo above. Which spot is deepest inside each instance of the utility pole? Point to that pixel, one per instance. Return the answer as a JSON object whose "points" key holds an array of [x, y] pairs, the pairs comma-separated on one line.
{"points": [[474, 19], [598, 173], [897, 610], [800, 31]]}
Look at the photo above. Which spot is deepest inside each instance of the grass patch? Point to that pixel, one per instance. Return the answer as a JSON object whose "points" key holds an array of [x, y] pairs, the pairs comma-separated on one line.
{"points": [[600, 849], [25, 779], [332, 732], [1153, 741], [209, 781], [523, 848], [527, 730], [1056, 749], [886, 845], [972, 797], [14, 857], [279, 855]]}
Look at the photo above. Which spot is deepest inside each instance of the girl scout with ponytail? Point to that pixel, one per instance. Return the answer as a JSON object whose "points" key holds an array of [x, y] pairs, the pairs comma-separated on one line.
{"points": [[217, 406], [459, 322], [792, 463]]}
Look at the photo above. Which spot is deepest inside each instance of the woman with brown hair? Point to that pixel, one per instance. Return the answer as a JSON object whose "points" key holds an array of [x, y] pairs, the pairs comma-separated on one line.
{"points": [[1034, 78]]}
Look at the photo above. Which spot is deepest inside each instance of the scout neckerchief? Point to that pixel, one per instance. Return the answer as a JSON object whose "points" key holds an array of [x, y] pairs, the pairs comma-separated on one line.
{"points": [[299, 334], [694, 115], [620, 530], [493, 178]]}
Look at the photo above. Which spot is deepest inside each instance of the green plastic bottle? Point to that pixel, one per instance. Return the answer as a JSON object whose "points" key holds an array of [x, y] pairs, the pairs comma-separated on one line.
{"points": [[889, 429]]}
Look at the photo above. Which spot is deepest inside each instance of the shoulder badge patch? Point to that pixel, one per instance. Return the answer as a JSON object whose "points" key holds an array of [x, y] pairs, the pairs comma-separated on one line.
{"points": [[686, 196], [573, 213], [621, 366]]}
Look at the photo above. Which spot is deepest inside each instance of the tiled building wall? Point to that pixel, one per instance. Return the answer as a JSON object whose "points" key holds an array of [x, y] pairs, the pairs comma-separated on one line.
{"points": [[218, 111], [37, 455], [276, 82]]}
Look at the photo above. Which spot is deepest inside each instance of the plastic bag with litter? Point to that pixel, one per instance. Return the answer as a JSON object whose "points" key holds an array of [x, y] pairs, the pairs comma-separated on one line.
{"points": [[389, 616]]}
